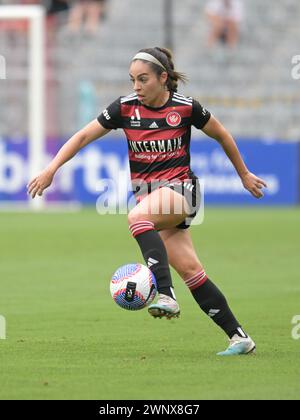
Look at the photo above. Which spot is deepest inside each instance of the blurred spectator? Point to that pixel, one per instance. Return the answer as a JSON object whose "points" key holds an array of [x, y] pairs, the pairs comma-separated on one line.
{"points": [[56, 6], [87, 13], [225, 17]]}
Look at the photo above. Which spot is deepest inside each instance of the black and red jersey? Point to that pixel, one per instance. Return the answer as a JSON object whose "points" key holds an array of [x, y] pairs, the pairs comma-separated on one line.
{"points": [[158, 138]]}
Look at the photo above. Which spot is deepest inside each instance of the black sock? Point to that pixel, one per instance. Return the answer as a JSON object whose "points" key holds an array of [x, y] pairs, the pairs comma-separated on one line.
{"points": [[155, 255], [239, 331], [213, 303]]}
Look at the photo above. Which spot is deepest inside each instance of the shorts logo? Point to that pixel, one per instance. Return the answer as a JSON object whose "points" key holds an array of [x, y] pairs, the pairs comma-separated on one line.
{"points": [[173, 119]]}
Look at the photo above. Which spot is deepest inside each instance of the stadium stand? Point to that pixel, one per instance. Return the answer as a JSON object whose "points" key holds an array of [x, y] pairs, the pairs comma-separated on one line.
{"points": [[250, 89]]}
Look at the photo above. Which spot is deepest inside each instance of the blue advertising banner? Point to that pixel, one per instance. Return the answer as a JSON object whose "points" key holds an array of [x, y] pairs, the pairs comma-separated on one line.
{"points": [[103, 166], [277, 163]]}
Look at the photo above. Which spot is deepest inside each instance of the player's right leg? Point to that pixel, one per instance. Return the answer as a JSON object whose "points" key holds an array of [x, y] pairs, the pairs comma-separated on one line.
{"points": [[145, 219]]}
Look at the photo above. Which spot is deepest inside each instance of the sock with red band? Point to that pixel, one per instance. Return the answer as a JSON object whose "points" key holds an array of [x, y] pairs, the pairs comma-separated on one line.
{"points": [[155, 255], [213, 303]]}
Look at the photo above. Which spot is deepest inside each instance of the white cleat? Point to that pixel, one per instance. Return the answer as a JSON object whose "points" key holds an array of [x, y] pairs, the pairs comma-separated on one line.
{"points": [[239, 346], [165, 307]]}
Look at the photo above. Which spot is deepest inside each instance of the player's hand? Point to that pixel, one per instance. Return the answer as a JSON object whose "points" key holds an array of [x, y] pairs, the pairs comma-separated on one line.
{"points": [[254, 184], [40, 183]]}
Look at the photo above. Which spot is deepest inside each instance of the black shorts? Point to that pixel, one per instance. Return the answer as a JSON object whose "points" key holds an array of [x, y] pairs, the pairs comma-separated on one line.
{"points": [[190, 189]]}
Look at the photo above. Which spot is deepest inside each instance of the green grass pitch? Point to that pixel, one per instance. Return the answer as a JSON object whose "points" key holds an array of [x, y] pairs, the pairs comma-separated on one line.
{"points": [[67, 339]]}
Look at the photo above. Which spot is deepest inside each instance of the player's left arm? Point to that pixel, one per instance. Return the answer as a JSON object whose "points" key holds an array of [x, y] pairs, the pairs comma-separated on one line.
{"points": [[251, 182]]}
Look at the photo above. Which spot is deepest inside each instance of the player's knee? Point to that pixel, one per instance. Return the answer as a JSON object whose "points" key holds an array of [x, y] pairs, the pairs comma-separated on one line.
{"points": [[189, 269], [138, 224], [193, 274], [135, 217]]}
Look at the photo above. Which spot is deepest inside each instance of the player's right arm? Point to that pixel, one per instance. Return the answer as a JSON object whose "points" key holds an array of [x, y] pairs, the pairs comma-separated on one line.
{"points": [[83, 137]]}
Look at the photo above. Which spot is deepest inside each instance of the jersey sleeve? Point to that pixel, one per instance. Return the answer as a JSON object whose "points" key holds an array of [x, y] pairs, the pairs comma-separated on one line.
{"points": [[110, 118], [200, 115]]}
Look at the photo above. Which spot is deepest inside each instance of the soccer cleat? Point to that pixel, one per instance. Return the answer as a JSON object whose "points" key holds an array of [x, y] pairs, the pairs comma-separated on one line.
{"points": [[239, 346], [165, 307]]}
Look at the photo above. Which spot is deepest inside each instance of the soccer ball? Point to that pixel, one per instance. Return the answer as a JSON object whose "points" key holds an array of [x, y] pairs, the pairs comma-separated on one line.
{"points": [[133, 286]]}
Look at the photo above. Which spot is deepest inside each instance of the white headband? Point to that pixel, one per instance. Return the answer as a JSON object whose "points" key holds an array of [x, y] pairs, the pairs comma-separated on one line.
{"points": [[149, 57]]}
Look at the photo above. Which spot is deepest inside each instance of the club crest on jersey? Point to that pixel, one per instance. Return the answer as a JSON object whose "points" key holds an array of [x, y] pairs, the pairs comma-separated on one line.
{"points": [[173, 119]]}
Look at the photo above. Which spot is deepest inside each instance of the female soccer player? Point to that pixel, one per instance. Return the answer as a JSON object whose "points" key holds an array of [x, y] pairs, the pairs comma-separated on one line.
{"points": [[157, 122]]}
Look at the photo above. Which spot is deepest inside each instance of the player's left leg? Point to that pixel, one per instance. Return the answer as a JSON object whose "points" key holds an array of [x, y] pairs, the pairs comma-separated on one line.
{"points": [[183, 258]]}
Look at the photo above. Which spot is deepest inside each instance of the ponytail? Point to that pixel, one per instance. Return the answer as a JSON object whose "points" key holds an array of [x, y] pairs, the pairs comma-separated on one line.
{"points": [[165, 57]]}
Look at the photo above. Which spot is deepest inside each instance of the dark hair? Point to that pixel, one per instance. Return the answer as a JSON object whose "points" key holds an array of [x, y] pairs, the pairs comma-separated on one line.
{"points": [[165, 57]]}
